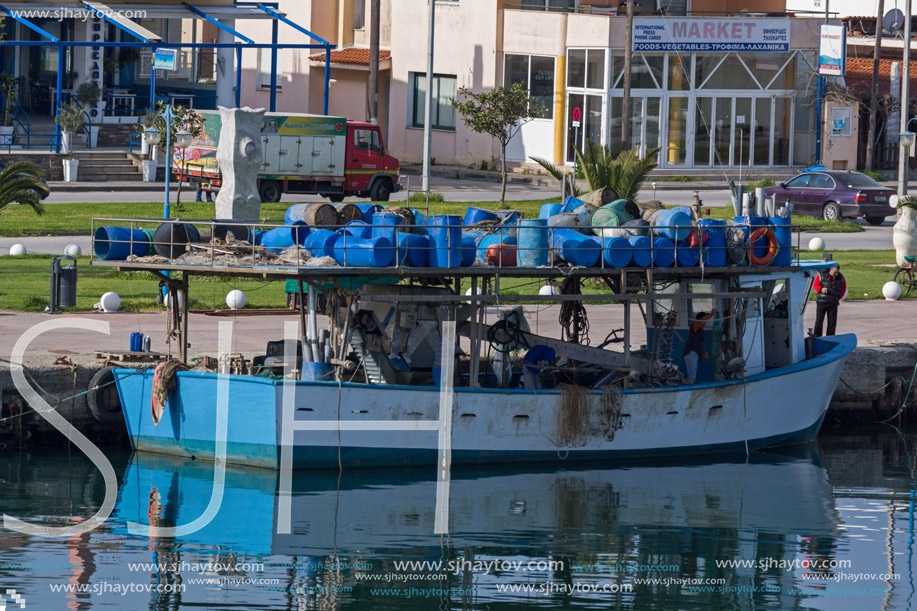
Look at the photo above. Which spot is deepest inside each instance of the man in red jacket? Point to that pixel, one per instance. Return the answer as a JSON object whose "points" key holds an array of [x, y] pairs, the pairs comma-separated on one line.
{"points": [[829, 287]]}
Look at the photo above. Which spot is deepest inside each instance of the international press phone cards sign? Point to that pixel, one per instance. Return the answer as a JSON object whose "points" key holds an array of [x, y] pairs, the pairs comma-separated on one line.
{"points": [[164, 59], [832, 50]]}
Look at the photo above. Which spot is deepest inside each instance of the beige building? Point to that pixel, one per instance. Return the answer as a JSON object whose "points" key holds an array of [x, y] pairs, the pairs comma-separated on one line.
{"points": [[731, 87]]}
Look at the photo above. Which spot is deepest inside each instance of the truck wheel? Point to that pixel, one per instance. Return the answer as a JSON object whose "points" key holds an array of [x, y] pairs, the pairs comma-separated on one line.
{"points": [[380, 191], [270, 191], [337, 197]]}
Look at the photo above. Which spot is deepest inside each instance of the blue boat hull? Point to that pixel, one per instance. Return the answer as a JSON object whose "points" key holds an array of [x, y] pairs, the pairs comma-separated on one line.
{"points": [[376, 425]]}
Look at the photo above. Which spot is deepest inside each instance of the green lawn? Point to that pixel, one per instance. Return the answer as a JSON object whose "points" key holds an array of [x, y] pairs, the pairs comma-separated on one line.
{"points": [[74, 219], [24, 284]]}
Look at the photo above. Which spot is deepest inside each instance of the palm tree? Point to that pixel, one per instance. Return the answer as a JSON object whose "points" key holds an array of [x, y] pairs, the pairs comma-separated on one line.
{"points": [[624, 173], [21, 183]]}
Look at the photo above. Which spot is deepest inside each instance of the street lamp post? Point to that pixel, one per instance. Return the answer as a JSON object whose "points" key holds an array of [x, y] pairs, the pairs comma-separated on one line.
{"points": [[183, 140]]}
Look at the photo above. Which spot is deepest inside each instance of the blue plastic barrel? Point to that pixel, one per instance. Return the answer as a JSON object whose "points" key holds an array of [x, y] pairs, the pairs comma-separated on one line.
{"points": [[320, 243], [136, 342], [317, 372], [469, 248], [617, 252], [354, 252], [749, 224], [578, 218], [257, 237], [385, 225], [278, 238], [685, 256], [501, 237], [576, 248], [784, 235], [715, 246], [549, 210], [532, 249], [357, 229], [663, 252], [476, 215], [413, 250], [421, 222], [446, 238], [571, 203], [118, 243], [369, 210], [642, 253], [672, 224], [687, 210]]}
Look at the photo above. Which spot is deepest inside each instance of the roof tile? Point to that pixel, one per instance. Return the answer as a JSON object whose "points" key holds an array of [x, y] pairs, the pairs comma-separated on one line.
{"points": [[351, 55]]}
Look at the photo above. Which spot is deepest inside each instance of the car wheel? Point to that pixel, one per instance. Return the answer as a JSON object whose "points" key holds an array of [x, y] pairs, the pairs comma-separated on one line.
{"points": [[831, 212], [270, 191], [875, 220], [380, 191]]}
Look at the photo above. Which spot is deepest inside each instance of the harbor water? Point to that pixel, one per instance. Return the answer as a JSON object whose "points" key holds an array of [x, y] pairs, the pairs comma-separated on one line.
{"points": [[826, 526]]}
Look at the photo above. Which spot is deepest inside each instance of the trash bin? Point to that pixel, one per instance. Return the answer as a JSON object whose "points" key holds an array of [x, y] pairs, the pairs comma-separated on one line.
{"points": [[63, 282]]}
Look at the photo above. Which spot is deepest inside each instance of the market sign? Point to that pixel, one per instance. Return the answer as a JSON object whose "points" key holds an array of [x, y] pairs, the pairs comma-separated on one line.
{"points": [[164, 59], [832, 50], [711, 34]]}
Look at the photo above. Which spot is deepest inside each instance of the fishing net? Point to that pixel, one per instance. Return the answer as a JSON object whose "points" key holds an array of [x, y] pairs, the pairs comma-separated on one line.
{"points": [[611, 418], [573, 418]]}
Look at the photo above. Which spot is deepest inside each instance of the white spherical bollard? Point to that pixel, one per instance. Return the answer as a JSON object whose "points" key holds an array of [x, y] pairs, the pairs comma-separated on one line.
{"points": [[73, 250], [235, 299], [891, 290], [816, 244], [17, 250], [110, 302], [548, 289]]}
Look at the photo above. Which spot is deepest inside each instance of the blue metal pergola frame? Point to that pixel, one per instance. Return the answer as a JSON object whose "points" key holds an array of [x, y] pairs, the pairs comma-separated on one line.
{"points": [[270, 9]]}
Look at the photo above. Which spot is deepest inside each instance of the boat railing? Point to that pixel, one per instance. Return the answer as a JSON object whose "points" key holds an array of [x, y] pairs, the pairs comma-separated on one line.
{"points": [[445, 244]]}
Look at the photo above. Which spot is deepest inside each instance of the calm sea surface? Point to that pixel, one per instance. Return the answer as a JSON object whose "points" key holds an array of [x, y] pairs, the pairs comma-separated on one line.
{"points": [[827, 526]]}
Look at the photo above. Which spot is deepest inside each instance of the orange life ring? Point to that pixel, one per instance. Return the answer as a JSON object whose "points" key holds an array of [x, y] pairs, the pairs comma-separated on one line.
{"points": [[757, 234]]}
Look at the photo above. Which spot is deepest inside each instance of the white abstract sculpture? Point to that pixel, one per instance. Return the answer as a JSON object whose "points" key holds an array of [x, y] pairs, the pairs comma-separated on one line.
{"points": [[18, 250], [816, 244], [73, 250], [240, 154], [904, 235]]}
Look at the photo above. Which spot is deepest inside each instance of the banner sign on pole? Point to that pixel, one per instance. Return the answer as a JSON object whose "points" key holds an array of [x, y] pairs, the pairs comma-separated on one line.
{"points": [[164, 59], [832, 50], [711, 34]]}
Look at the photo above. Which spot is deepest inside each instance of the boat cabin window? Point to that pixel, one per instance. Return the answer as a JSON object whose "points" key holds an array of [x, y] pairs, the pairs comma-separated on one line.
{"points": [[699, 305], [662, 306], [777, 299]]}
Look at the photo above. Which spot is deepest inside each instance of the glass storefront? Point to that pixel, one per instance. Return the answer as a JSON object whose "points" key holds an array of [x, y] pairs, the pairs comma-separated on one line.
{"points": [[701, 109]]}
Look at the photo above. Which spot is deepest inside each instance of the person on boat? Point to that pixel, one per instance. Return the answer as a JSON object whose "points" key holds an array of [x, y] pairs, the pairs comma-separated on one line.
{"points": [[537, 358], [694, 345], [830, 287]]}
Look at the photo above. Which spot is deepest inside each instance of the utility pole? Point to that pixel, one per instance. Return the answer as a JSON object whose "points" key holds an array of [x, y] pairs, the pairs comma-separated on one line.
{"points": [[374, 9], [628, 55], [818, 110], [428, 104], [903, 152], [874, 97]]}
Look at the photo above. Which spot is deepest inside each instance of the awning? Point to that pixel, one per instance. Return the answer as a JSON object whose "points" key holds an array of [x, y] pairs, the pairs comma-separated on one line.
{"points": [[354, 58]]}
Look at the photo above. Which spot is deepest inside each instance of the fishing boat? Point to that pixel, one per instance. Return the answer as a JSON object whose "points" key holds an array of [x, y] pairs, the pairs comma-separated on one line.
{"points": [[422, 362]]}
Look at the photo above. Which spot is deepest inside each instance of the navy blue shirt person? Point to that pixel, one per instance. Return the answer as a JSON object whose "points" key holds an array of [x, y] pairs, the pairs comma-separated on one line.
{"points": [[694, 346]]}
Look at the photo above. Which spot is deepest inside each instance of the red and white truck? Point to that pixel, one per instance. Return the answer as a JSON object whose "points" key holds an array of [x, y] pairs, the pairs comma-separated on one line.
{"points": [[309, 154]]}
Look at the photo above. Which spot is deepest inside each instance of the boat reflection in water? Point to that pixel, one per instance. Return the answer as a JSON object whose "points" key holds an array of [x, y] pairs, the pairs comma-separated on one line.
{"points": [[606, 528]]}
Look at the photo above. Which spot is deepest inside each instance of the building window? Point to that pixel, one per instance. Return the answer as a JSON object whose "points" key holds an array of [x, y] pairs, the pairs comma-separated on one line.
{"points": [[442, 112], [359, 11], [264, 70], [586, 68], [536, 73]]}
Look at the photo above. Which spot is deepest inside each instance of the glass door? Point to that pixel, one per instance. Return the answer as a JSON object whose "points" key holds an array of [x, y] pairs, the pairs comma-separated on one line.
{"points": [[741, 145], [675, 146], [723, 132], [703, 131]]}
